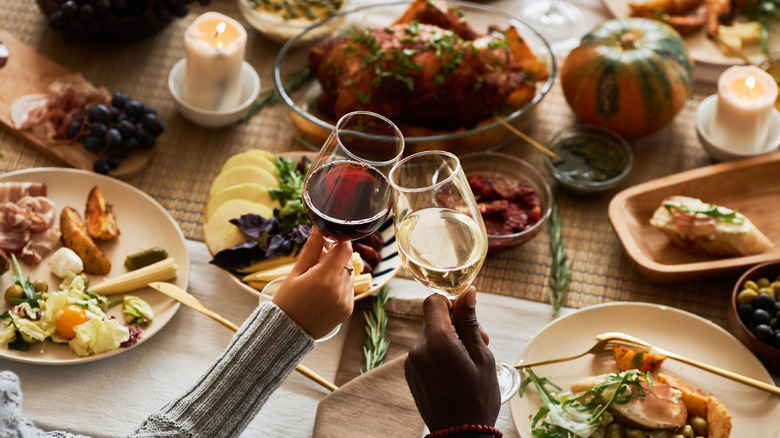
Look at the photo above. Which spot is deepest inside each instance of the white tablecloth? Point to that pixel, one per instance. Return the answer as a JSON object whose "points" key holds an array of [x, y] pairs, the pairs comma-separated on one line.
{"points": [[110, 397]]}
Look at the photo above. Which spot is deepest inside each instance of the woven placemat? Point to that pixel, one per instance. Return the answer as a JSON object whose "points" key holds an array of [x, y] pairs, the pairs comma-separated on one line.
{"points": [[188, 157], [601, 270]]}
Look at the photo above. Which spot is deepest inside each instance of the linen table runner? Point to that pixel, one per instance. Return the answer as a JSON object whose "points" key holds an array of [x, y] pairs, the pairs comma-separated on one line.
{"points": [[378, 401]]}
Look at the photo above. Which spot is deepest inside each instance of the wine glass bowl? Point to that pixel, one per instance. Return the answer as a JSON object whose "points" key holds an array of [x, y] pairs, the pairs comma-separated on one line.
{"points": [[346, 194], [439, 231], [556, 20]]}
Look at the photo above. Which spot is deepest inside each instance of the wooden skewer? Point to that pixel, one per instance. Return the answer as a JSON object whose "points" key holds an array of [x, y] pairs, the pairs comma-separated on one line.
{"points": [[530, 140]]}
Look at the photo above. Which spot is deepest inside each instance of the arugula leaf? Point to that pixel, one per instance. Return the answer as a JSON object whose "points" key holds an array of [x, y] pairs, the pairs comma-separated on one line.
{"points": [[290, 192], [30, 295], [616, 389], [719, 213]]}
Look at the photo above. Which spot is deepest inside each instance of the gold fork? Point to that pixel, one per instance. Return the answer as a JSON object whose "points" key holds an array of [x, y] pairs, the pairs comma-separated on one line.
{"points": [[638, 344], [602, 344]]}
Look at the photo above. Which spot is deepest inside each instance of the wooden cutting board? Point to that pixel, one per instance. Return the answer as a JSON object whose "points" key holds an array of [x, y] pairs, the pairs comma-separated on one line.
{"points": [[29, 72]]}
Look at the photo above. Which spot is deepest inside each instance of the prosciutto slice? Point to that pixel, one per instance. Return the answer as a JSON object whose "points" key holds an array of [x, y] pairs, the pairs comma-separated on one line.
{"points": [[27, 227], [40, 244], [50, 113], [14, 191]]}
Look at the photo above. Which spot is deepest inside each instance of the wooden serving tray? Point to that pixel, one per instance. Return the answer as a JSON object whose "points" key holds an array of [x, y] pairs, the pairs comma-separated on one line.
{"points": [[750, 186], [29, 72]]}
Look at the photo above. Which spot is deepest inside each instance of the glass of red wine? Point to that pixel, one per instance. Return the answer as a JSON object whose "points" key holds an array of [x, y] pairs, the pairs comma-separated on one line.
{"points": [[346, 193]]}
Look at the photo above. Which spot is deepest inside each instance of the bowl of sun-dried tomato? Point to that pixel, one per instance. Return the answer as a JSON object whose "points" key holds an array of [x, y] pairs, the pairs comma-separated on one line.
{"points": [[513, 197]]}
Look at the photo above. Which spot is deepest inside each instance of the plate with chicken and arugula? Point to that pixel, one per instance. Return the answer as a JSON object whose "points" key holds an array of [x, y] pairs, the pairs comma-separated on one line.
{"points": [[642, 395]]}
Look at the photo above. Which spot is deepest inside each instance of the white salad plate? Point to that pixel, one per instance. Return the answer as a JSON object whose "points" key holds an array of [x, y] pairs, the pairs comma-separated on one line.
{"points": [[143, 223], [754, 413]]}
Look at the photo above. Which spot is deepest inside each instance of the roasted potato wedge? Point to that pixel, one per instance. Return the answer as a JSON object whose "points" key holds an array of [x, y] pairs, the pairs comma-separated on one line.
{"points": [[100, 218], [702, 405], [628, 359], [75, 237]]}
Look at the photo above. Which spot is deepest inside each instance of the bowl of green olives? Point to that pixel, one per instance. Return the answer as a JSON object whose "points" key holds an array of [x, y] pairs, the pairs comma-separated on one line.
{"points": [[754, 317]]}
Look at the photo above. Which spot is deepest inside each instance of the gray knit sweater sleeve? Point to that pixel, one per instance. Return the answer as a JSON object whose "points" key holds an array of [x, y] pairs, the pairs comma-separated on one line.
{"points": [[222, 403]]}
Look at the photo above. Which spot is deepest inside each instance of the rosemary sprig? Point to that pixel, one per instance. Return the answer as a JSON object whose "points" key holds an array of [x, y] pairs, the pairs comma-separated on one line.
{"points": [[560, 275], [376, 344], [294, 82]]}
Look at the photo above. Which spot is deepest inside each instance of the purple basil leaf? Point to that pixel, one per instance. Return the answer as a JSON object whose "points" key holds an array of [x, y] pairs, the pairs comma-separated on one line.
{"points": [[240, 256], [254, 225], [279, 245], [300, 234]]}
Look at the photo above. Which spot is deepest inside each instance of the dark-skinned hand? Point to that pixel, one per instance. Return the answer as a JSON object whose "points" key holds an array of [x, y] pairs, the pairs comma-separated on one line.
{"points": [[450, 370]]}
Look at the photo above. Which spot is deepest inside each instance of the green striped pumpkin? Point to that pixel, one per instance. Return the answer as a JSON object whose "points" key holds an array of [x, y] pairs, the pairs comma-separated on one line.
{"points": [[630, 75]]}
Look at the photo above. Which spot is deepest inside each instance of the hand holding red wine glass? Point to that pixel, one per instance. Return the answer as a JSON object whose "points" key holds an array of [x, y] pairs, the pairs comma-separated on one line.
{"points": [[346, 193]]}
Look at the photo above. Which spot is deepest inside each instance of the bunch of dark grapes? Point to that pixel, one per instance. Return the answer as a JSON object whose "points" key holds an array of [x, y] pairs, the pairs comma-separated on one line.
{"points": [[77, 18], [114, 131]]}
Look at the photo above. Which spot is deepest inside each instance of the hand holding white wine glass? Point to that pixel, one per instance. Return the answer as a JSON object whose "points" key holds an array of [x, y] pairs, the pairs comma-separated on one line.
{"points": [[439, 230]]}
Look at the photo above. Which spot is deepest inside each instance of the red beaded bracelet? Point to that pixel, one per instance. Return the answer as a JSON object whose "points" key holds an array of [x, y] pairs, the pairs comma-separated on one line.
{"points": [[481, 428]]}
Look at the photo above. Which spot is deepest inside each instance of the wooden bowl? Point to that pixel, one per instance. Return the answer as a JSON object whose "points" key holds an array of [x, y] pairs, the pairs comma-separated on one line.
{"points": [[767, 354]]}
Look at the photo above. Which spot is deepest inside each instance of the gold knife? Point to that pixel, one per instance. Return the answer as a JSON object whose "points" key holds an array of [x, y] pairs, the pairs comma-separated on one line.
{"points": [[189, 300]]}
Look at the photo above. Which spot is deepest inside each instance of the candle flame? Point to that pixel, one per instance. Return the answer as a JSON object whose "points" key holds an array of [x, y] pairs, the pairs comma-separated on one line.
{"points": [[750, 82], [220, 30]]}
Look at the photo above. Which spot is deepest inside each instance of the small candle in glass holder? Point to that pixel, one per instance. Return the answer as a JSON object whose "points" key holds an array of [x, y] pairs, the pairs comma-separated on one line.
{"points": [[215, 46], [746, 97]]}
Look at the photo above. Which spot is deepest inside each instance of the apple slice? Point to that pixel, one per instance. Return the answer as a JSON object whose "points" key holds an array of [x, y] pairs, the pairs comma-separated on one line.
{"points": [[231, 238], [251, 158], [250, 191], [218, 225], [243, 174]]}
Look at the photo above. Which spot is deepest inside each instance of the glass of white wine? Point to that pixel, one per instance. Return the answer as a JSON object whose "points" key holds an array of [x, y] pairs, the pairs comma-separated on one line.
{"points": [[438, 228], [439, 231]]}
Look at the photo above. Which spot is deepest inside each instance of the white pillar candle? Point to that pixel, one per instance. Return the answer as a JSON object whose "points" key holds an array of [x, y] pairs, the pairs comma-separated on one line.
{"points": [[746, 97], [215, 46]]}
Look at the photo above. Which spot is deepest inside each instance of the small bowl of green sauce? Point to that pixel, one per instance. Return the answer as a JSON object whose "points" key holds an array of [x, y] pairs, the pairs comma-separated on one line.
{"points": [[593, 159]]}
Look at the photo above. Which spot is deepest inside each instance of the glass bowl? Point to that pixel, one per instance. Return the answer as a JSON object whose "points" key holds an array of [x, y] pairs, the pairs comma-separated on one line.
{"points": [[278, 29], [595, 159], [311, 129], [768, 354], [517, 170]]}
